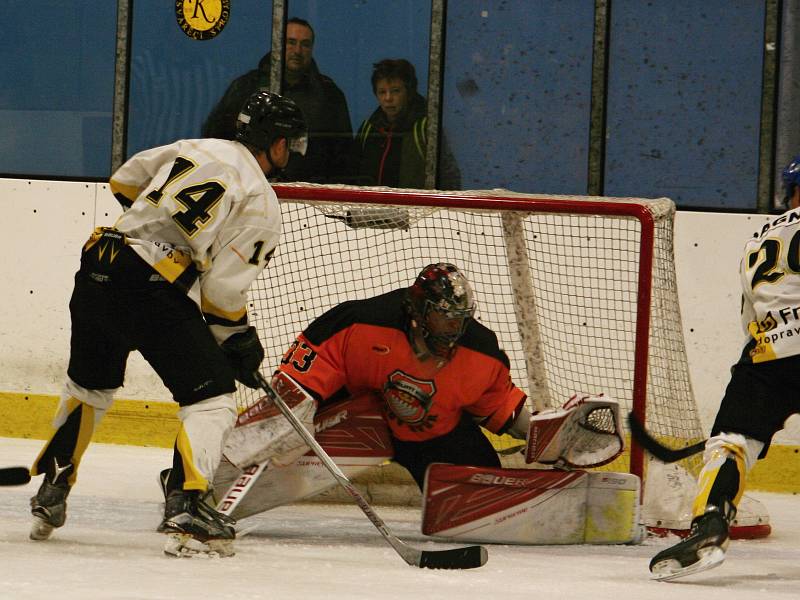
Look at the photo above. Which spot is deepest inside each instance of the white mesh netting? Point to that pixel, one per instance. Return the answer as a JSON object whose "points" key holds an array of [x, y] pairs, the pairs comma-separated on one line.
{"points": [[557, 278]]}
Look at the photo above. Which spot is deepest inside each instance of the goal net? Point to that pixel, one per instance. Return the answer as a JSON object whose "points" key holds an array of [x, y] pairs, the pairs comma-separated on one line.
{"points": [[581, 292]]}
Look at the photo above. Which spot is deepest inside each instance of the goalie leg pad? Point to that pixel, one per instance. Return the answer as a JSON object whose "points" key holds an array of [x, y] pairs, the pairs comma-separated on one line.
{"points": [[527, 506]]}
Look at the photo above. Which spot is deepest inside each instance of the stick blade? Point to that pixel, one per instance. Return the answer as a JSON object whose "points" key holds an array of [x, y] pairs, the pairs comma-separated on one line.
{"points": [[14, 476], [470, 557], [654, 447]]}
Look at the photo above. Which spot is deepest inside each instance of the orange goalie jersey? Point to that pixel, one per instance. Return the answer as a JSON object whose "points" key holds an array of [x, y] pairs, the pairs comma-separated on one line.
{"points": [[362, 345]]}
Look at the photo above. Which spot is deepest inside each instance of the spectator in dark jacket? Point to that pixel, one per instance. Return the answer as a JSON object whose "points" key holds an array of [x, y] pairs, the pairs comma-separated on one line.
{"points": [[322, 102], [391, 145]]}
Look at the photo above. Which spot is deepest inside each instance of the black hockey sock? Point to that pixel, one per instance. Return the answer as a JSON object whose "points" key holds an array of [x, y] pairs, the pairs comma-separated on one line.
{"points": [[726, 486], [62, 445]]}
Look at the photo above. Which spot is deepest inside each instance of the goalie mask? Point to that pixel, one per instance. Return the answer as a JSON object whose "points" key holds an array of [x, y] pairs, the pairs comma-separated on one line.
{"points": [[266, 117], [440, 305]]}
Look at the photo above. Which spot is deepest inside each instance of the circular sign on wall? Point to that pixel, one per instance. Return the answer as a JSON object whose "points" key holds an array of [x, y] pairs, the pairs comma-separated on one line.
{"points": [[202, 19]]}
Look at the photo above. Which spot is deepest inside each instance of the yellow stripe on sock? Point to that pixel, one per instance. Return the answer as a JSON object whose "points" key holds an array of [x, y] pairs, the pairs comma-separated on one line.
{"points": [[70, 405], [85, 432], [710, 472], [194, 480]]}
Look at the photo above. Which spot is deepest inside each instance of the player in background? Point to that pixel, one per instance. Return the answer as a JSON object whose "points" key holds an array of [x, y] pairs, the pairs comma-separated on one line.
{"points": [[761, 394], [170, 279], [440, 372]]}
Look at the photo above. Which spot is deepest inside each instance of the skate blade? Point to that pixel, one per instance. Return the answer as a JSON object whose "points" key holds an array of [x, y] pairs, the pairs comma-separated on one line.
{"points": [[40, 530], [243, 530], [181, 545], [708, 558]]}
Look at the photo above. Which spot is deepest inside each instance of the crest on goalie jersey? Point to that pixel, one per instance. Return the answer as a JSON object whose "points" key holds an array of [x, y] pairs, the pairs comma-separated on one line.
{"points": [[409, 399]]}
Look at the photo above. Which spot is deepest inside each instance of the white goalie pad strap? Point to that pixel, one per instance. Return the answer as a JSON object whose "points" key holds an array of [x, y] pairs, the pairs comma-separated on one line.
{"points": [[262, 432], [529, 506], [585, 432]]}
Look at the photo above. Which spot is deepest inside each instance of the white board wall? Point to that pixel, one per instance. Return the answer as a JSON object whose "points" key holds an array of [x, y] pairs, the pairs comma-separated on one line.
{"points": [[46, 225], [47, 222]]}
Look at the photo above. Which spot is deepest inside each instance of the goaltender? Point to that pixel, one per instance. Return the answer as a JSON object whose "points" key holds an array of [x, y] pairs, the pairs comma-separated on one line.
{"points": [[440, 372], [437, 376]]}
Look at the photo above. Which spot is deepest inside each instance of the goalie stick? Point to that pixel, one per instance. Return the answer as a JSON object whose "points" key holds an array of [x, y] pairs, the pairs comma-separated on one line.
{"points": [[468, 557], [240, 487], [14, 476], [656, 448], [238, 490]]}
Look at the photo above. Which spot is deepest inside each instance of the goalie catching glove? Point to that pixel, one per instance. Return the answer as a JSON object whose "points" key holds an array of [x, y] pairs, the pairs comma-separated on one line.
{"points": [[244, 353], [585, 432], [262, 432]]}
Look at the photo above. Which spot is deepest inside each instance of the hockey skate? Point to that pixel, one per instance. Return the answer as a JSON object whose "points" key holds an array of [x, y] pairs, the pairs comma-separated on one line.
{"points": [[194, 528], [702, 550], [49, 505]]}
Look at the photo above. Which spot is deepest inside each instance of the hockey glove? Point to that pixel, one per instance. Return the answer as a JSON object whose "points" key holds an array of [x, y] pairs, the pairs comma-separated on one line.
{"points": [[244, 353]]}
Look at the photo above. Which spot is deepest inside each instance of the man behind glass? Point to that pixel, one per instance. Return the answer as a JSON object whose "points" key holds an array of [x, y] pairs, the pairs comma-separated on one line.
{"points": [[322, 102]]}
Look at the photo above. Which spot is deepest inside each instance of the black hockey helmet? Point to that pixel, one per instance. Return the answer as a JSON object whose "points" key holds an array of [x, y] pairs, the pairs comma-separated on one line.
{"points": [[266, 117], [440, 303], [790, 176]]}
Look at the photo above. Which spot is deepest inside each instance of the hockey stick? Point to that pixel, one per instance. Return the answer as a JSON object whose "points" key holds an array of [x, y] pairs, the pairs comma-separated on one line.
{"points": [[656, 448], [469, 557], [240, 487], [238, 490], [14, 476]]}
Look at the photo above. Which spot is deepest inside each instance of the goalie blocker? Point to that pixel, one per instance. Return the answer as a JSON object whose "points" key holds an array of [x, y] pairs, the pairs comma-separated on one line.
{"points": [[262, 432]]}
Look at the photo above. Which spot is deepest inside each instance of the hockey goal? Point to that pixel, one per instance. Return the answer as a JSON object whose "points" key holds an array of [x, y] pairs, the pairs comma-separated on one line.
{"points": [[581, 292]]}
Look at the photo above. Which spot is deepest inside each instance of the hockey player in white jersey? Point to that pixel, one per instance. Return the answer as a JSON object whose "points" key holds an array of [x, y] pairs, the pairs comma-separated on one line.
{"points": [[170, 280], [761, 394]]}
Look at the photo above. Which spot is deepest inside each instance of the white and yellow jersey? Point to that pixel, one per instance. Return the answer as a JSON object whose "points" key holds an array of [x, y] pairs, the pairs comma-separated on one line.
{"points": [[770, 277], [202, 213]]}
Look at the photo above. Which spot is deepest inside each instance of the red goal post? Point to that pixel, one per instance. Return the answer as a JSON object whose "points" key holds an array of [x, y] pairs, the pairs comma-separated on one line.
{"points": [[581, 292]]}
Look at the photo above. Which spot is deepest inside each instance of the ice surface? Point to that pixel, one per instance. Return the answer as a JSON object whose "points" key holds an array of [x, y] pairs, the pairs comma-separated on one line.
{"points": [[109, 550]]}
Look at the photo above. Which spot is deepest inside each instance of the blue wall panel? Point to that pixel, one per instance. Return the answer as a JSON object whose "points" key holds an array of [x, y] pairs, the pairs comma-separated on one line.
{"points": [[56, 98], [684, 101], [683, 98], [176, 80], [516, 101]]}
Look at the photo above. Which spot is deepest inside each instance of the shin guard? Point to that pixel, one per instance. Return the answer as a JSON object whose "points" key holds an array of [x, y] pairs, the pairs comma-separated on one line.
{"points": [[722, 480], [204, 427]]}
